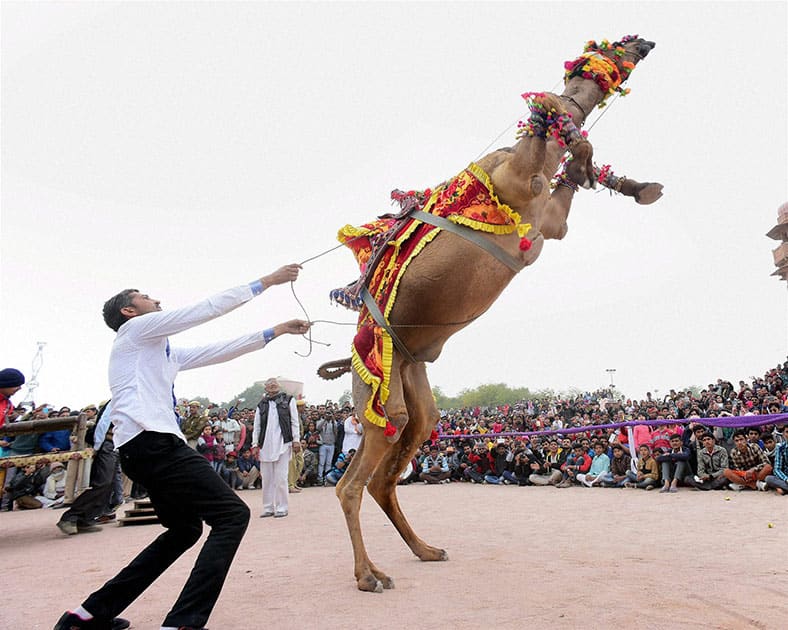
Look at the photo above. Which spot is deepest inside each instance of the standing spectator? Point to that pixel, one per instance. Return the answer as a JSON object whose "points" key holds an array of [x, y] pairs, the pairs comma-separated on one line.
{"points": [[206, 444], [712, 462], [779, 479], [11, 381], [296, 464], [231, 429], [750, 466], [312, 438], [353, 433], [327, 428], [219, 452], [276, 435], [435, 468], [193, 425], [95, 501], [674, 464], [153, 451]]}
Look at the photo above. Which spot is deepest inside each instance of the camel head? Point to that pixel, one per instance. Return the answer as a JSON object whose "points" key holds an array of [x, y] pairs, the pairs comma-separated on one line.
{"points": [[607, 64]]}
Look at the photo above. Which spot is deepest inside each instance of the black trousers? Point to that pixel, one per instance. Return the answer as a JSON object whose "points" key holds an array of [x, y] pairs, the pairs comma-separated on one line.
{"points": [[185, 491], [93, 502]]}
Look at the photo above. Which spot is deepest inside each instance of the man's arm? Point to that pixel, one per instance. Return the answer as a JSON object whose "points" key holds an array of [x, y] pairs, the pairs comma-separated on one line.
{"points": [[256, 431], [190, 358], [164, 323]]}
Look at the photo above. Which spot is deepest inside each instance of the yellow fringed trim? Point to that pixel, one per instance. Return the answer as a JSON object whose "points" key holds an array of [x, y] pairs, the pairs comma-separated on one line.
{"points": [[481, 226], [416, 250], [484, 178], [523, 229], [347, 232], [373, 381]]}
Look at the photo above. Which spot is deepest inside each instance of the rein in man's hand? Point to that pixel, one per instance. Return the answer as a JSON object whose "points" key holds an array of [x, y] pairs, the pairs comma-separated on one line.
{"points": [[288, 273]]}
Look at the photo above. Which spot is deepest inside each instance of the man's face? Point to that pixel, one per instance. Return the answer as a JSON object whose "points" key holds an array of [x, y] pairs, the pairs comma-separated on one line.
{"points": [[272, 387], [675, 442], [141, 303], [708, 442], [599, 449], [740, 442], [193, 409], [753, 436]]}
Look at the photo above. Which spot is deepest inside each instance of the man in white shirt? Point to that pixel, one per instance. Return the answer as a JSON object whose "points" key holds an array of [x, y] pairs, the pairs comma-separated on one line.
{"points": [[183, 487], [275, 434], [354, 430]]}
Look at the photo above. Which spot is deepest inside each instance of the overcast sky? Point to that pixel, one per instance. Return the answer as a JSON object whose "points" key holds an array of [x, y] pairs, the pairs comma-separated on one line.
{"points": [[183, 148]]}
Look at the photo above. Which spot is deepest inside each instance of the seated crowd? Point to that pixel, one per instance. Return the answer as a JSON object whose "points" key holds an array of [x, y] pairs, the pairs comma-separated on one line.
{"points": [[472, 445]]}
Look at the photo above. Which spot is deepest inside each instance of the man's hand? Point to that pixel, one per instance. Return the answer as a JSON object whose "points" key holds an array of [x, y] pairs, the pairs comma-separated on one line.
{"points": [[293, 327], [288, 273]]}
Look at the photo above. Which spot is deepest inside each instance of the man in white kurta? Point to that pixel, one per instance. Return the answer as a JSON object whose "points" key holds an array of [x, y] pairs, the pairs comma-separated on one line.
{"points": [[275, 451]]}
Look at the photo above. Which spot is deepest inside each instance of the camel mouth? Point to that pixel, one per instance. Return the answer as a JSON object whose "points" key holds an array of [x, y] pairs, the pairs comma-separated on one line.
{"points": [[645, 47]]}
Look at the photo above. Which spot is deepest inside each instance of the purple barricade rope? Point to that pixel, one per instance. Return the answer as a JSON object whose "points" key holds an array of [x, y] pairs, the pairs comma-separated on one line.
{"points": [[724, 421]]}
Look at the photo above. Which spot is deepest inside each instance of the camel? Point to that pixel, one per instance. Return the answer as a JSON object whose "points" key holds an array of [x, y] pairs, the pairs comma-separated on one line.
{"points": [[453, 281]]}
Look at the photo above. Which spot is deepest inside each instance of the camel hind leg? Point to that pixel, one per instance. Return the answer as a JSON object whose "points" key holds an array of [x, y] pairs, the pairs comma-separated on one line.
{"points": [[350, 488], [422, 417]]}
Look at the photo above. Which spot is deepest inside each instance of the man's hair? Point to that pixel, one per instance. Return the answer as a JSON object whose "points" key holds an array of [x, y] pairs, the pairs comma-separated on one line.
{"points": [[112, 315], [740, 433]]}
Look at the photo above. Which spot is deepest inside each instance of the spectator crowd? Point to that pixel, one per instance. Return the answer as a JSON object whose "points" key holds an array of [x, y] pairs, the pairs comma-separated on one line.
{"points": [[484, 445]]}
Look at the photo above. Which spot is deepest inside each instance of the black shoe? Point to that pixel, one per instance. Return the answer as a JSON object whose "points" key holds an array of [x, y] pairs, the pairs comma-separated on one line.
{"points": [[70, 621]]}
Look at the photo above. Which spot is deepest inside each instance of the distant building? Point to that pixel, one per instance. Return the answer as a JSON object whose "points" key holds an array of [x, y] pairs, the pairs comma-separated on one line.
{"points": [[780, 233]]}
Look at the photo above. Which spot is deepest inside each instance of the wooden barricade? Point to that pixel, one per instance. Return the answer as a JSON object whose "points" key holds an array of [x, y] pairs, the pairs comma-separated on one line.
{"points": [[78, 460]]}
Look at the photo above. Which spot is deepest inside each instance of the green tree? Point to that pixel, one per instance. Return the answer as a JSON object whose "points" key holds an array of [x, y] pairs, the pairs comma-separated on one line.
{"points": [[249, 397]]}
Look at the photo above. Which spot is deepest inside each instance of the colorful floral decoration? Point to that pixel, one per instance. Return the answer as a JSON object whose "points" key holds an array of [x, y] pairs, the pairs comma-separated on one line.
{"points": [[596, 65], [608, 178], [545, 121]]}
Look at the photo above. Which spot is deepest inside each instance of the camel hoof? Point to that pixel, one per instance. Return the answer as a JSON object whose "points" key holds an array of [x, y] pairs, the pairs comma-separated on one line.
{"points": [[370, 584], [648, 194], [387, 582], [434, 555]]}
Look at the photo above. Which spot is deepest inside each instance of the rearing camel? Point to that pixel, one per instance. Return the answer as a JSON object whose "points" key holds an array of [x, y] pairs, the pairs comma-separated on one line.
{"points": [[452, 281]]}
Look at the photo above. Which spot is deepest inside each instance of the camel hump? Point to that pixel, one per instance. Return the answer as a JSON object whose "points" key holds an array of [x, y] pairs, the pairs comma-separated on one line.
{"points": [[334, 369]]}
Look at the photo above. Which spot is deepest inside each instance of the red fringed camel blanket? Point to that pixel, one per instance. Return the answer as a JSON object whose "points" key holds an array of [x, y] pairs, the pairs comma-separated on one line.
{"points": [[467, 199]]}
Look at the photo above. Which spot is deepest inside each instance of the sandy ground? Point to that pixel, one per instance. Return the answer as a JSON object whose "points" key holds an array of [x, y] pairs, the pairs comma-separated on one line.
{"points": [[518, 558]]}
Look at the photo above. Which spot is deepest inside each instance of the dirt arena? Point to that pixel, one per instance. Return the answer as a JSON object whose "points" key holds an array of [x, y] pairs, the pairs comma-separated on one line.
{"points": [[518, 558]]}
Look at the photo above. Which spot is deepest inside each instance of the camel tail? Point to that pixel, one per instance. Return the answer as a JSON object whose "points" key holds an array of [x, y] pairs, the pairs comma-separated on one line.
{"points": [[334, 369]]}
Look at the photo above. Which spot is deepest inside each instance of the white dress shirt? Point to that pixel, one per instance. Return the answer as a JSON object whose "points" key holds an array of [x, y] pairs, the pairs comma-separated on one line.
{"points": [[142, 366], [274, 445]]}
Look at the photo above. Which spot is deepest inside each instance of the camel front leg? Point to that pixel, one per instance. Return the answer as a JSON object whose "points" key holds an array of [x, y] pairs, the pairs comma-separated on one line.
{"points": [[349, 490], [423, 415]]}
